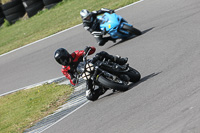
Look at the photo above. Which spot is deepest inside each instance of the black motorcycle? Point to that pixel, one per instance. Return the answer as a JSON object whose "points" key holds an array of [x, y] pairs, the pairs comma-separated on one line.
{"points": [[107, 74]]}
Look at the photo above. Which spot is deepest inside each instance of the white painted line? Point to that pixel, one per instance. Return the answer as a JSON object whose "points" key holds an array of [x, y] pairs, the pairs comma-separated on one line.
{"points": [[65, 116], [34, 85], [129, 5]]}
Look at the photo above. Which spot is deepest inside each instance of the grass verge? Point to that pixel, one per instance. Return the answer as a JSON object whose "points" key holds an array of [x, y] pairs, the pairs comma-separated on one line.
{"points": [[48, 22], [22, 109]]}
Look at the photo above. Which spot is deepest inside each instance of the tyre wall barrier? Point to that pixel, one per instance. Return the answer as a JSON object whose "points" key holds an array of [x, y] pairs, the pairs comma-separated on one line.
{"points": [[16, 9], [32, 7], [50, 3], [2, 17], [13, 10]]}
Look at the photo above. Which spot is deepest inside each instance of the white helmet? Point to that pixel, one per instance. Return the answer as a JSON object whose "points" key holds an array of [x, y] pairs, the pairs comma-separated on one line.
{"points": [[86, 16]]}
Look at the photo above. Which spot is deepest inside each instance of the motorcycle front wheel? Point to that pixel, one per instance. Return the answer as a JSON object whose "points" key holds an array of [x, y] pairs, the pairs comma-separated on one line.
{"points": [[132, 30], [134, 75], [117, 85]]}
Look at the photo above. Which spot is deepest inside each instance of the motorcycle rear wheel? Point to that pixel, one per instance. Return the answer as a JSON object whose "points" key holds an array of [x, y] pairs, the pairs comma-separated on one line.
{"points": [[132, 30], [112, 84]]}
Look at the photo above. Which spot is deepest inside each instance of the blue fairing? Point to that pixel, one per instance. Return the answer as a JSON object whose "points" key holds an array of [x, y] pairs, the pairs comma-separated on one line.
{"points": [[113, 23]]}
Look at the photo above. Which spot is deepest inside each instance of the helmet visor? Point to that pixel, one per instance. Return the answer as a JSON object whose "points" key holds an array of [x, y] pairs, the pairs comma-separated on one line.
{"points": [[65, 61], [88, 17]]}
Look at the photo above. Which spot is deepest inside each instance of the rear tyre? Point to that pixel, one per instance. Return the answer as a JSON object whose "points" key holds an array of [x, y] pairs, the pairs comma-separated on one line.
{"points": [[112, 84], [132, 30]]}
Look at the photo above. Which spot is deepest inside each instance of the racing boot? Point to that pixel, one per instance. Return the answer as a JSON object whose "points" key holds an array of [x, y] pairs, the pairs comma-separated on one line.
{"points": [[105, 40], [112, 39], [92, 95], [102, 42], [120, 61], [101, 91]]}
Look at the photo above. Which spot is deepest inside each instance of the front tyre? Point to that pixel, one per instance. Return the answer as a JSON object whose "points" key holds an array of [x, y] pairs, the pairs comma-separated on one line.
{"points": [[112, 84], [132, 30], [134, 75]]}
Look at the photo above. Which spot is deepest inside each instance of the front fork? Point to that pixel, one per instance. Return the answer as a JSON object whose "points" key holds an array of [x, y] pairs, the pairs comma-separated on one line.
{"points": [[121, 27]]}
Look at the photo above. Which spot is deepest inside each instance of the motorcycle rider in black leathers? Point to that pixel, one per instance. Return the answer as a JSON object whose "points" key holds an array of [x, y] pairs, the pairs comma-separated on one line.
{"points": [[91, 23], [70, 62]]}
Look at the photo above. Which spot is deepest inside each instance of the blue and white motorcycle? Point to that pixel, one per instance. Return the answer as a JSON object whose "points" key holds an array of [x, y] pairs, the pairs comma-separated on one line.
{"points": [[116, 26]]}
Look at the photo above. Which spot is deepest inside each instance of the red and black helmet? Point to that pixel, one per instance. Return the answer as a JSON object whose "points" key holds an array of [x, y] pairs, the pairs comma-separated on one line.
{"points": [[62, 56]]}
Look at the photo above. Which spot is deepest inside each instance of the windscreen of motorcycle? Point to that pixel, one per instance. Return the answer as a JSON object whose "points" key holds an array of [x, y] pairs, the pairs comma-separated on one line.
{"points": [[109, 21]]}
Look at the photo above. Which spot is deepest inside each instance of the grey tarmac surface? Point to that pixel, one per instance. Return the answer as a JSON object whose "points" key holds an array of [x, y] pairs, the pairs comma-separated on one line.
{"points": [[167, 56]]}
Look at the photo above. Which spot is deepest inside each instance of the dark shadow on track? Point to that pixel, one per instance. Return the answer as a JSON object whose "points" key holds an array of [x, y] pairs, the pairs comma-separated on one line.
{"points": [[143, 79], [134, 36], [133, 84], [147, 30], [108, 95]]}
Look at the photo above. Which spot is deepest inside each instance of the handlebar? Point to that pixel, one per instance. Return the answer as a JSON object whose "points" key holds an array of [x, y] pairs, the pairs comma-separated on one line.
{"points": [[87, 53]]}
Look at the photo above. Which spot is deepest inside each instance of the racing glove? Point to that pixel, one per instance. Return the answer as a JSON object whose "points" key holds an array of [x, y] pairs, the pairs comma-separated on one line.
{"points": [[87, 49], [75, 81], [111, 11]]}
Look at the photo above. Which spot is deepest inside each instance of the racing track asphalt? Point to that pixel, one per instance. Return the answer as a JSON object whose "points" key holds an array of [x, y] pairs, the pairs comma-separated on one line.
{"points": [[167, 56]]}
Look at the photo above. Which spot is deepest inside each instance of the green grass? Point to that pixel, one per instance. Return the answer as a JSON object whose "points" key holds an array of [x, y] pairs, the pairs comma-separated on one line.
{"points": [[48, 22], [20, 110]]}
